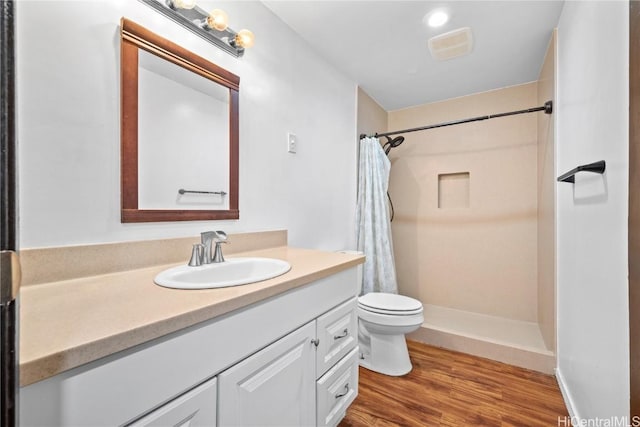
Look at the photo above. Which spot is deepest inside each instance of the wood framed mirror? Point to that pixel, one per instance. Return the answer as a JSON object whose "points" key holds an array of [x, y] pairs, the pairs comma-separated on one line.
{"points": [[179, 132]]}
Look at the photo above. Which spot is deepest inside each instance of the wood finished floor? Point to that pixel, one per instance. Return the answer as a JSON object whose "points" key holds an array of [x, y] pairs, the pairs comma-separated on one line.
{"points": [[447, 388]]}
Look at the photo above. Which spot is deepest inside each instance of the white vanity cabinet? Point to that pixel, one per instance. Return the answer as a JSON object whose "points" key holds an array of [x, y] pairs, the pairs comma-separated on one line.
{"points": [[336, 390], [337, 333], [289, 359], [274, 387], [336, 362], [196, 408], [308, 377]]}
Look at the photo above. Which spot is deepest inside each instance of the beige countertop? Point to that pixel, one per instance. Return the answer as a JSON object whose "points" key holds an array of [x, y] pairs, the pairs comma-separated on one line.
{"points": [[69, 323]]}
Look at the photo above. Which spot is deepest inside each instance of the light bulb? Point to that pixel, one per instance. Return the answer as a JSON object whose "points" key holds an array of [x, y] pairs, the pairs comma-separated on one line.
{"points": [[218, 20], [245, 39], [184, 4]]}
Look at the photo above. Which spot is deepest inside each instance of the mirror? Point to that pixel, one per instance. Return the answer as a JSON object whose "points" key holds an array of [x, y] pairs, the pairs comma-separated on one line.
{"points": [[179, 124]]}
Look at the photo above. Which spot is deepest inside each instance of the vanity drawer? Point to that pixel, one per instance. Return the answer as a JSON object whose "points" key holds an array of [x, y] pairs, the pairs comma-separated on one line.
{"points": [[194, 408], [336, 390], [337, 331]]}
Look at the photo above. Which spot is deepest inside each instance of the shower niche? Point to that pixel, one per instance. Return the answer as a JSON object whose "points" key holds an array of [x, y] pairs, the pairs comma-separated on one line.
{"points": [[453, 190]]}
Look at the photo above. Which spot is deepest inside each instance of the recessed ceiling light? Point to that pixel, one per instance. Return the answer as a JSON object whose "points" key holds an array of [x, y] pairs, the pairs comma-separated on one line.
{"points": [[437, 18]]}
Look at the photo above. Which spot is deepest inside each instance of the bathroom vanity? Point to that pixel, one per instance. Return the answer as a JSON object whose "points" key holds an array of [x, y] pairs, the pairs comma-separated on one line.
{"points": [[117, 349]]}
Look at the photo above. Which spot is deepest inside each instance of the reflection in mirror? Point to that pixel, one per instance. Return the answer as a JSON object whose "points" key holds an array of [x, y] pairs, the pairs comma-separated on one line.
{"points": [[183, 138], [179, 156]]}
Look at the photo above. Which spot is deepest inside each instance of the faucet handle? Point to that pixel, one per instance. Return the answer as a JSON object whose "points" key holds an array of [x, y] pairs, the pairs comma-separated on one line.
{"points": [[196, 255], [220, 236], [217, 254]]}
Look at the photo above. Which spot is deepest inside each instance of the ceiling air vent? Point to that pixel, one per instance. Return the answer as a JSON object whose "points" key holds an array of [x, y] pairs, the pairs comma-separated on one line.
{"points": [[452, 44]]}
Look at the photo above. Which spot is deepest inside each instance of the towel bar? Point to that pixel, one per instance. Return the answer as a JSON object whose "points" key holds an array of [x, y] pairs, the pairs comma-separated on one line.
{"points": [[596, 167], [183, 191]]}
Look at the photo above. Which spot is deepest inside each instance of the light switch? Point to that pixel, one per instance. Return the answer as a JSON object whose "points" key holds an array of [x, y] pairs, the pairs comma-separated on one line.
{"points": [[292, 142]]}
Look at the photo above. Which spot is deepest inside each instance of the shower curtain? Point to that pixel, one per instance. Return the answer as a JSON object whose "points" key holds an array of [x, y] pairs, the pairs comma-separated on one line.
{"points": [[372, 219]]}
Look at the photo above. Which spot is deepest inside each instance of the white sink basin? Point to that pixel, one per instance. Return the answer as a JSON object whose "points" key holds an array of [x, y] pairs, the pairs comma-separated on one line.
{"points": [[232, 272]]}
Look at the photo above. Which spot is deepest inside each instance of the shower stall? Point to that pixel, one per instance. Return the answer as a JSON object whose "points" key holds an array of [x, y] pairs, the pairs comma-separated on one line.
{"points": [[474, 220]]}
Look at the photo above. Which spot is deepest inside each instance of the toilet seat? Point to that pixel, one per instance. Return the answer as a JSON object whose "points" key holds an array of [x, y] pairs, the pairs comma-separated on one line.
{"points": [[389, 304]]}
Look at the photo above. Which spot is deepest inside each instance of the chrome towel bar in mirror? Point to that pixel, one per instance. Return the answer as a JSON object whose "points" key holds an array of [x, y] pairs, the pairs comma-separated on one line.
{"points": [[183, 191]]}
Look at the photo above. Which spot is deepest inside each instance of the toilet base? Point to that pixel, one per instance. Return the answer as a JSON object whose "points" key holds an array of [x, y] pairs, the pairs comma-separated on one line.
{"points": [[388, 355]]}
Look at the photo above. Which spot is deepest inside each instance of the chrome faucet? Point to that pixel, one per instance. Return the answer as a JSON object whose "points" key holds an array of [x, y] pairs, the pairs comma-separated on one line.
{"points": [[208, 238]]}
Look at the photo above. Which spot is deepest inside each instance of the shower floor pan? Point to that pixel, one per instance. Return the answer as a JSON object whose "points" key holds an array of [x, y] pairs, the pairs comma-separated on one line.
{"points": [[505, 340]]}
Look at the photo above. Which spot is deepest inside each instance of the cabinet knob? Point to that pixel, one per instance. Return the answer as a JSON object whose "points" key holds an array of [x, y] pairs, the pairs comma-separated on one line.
{"points": [[315, 342], [344, 393], [342, 335]]}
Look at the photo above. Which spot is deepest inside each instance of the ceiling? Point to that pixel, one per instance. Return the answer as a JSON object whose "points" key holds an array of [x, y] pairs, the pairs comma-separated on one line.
{"points": [[382, 45]]}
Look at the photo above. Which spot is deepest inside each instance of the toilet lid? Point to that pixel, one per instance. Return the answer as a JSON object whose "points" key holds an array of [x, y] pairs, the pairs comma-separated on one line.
{"points": [[389, 303]]}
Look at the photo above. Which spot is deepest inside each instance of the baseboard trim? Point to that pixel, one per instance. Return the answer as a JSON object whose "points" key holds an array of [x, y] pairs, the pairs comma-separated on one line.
{"points": [[568, 400]]}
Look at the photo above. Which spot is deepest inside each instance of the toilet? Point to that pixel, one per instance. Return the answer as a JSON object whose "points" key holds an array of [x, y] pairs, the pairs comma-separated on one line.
{"points": [[383, 320]]}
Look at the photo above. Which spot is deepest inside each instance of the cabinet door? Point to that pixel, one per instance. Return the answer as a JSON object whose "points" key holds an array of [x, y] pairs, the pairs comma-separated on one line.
{"points": [[337, 333], [195, 408], [337, 389], [274, 387]]}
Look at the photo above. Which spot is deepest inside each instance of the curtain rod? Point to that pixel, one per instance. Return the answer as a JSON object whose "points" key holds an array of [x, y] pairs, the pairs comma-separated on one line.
{"points": [[547, 108]]}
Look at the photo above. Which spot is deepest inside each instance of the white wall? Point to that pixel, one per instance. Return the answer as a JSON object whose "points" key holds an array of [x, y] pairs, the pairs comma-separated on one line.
{"points": [[69, 127], [592, 118]]}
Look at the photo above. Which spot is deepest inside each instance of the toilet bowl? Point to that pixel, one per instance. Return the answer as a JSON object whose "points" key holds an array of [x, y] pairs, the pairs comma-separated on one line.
{"points": [[383, 320]]}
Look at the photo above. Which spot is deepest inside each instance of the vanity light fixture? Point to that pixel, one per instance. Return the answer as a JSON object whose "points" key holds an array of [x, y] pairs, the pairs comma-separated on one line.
{"points": [[211, 26]]}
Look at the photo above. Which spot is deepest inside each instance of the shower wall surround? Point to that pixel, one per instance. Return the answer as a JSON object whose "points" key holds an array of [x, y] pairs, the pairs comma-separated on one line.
{"points": [[372, 117], [480, 257], [547, 201], [70, 134]]}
